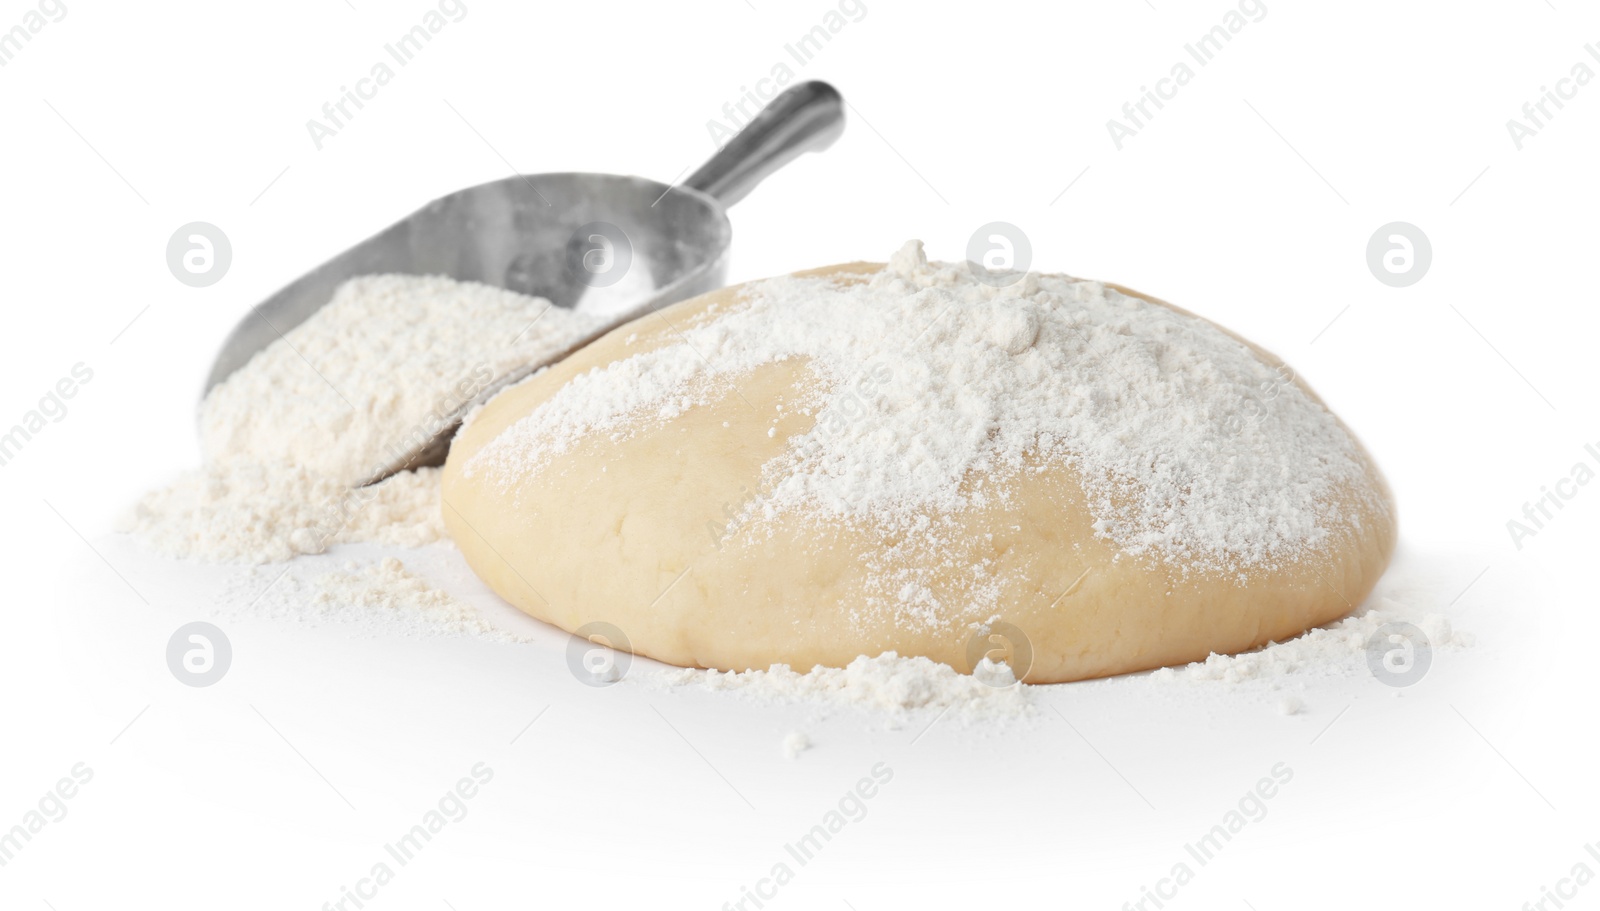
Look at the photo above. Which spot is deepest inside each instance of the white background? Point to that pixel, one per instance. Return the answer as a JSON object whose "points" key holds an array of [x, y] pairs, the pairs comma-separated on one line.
{"points": [[1250, 199]]}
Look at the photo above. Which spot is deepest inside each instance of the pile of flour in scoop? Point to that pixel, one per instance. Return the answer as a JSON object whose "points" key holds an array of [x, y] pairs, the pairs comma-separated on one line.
{"points": [[289, 438]]}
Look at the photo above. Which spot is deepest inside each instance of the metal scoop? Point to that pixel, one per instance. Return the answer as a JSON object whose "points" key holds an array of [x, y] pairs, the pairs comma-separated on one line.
{"points": [[537, 234]]}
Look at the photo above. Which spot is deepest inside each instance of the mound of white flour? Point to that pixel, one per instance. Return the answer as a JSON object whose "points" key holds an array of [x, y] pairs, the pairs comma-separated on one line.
{"points": [[289, 438]]}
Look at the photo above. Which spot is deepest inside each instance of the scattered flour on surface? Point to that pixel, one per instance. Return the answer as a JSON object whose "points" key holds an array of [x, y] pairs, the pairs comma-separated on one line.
{"points": [[382, 598], [289, 438], [898, 686], [1336, 650], [887, 683], [249, 513], [795, 743], [387, 590]]}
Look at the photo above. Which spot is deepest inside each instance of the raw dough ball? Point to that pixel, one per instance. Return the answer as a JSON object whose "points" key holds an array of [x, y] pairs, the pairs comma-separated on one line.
{"points": [[1133, 498]]}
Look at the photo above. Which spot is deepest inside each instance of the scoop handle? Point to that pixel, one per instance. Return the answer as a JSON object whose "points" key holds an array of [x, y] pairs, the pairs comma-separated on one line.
{"points": [[805, 118]]}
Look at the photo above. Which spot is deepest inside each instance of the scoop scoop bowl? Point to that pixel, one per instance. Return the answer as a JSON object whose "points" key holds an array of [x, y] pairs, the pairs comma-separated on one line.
{"points": [[615, 247]]}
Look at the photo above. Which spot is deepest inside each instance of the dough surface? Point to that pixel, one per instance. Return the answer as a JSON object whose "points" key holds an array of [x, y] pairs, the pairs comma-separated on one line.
{"points": [[639, 530]]}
